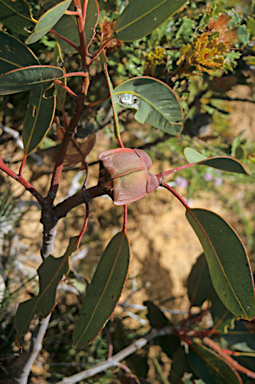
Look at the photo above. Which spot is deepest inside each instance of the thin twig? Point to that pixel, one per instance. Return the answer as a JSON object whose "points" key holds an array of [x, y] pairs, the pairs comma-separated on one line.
{"points": [[114, 361]]}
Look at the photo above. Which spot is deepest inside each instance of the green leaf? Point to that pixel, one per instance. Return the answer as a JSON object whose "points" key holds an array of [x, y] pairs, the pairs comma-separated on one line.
{"points": [[47, 21], [155, 102], [67, 27], [155, 316], [20, 80], [104, 291], [200, 289], [179, 366], [210, 367], [224, 163], [60, 91], [14, 54], [38, 118], [223, 319], [241, 338], [50, 273], [16, 15], [142, 17], [199, 283], [227, 261]]}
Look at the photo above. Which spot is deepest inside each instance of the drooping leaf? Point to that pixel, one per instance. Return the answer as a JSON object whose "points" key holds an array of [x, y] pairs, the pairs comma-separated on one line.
{"points": [[154, 101], [223, 319], [50, 273], [16, 15], [168, 343], [200, 289], [23, 79], [47, 21], [77, 152], [227, 261], [104, 291], [60, 91], [241, 338], [199, 283], [38, 118], [224, 163], [14, 54], [67, 27], [155, 316], [211, 368], [179, 366], [142, 17]]}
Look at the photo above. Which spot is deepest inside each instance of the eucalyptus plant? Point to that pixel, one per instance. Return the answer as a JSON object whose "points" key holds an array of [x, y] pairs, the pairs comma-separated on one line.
{"points": [[70, 27]]}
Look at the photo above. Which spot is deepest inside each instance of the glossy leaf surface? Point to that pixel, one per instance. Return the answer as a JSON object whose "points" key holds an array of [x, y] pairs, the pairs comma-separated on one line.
{"points": [[16, 16], [50, 273], [224, 163], [38, 118], [67, 27], [227, 261], [23, 79], [14, 54], [104, 290], [156, 103], [47, 21], [210, 367], [142, 17]]}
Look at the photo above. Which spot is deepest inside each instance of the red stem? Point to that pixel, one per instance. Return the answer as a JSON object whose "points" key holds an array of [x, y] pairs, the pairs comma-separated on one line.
{"points": [[125, 219], [166, 173], [23, 182], [67, 89], [210, 343], [65, 39], [71, 74], [163, 184], [84, 225], [101, 48], [22, 165]]}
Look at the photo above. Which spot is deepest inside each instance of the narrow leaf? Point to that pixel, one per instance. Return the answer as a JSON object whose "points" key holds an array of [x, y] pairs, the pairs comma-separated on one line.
{"points": [[142, 17], [14, 54], [154, 101], [50, 273], [227, 261], [179, 366], [38, 118], [16, 15], [47, 21], [199, 283], [210, 367], [224, 163], [67, 27], [104, 291], [20, 80], [60, 91], [200, 289]]}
